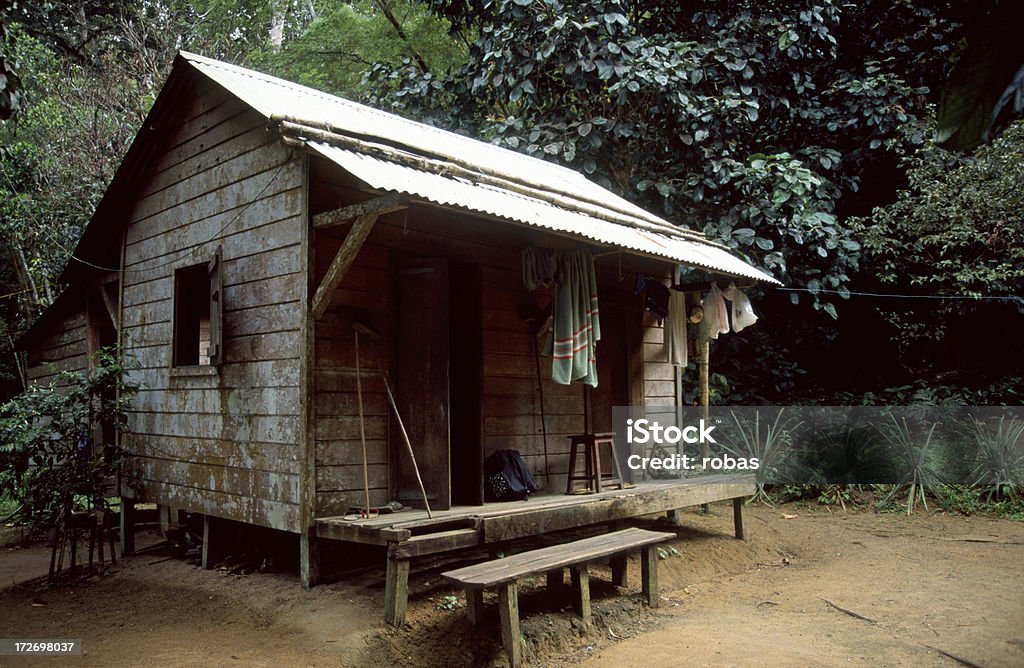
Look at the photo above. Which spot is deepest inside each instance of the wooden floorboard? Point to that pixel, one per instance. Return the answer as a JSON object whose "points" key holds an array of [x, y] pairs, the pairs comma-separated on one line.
{"points": [[497, 522]]}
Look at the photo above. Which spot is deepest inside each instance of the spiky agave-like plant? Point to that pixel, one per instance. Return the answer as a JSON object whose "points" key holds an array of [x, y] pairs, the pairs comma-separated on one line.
{"points": [[999, 467]]}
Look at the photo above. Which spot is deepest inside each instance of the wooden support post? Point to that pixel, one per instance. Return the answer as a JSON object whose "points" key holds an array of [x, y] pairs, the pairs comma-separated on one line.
{"points": [[110, 540], [508, 611], [214, 529], [620, 569], [396, 591], [581, 592], [475, 605], [164, 515], [737, 516], [673, 517], [127, 526], [649, 574], [309, 559], [75, 534], [556, 583], [703, 365]]}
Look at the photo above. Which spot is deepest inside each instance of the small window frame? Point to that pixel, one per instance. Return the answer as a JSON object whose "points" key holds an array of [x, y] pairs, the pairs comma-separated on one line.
{"points": [[197, 321]]}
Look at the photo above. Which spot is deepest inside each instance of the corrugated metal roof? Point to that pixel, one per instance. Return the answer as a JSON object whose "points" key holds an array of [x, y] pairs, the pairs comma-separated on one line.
{"points": [[272, 97]]}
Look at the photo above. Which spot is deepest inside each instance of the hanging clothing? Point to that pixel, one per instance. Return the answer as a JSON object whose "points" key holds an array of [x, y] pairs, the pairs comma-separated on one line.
{"points": [[742, 312], [538, 268], [657, 296], [716, 314], [675, 329], [577, 323]]}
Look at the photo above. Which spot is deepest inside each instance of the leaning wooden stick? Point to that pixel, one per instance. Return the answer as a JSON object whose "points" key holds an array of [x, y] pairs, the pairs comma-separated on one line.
{"points": [[408, 444], [362, 429], [359, 327]]}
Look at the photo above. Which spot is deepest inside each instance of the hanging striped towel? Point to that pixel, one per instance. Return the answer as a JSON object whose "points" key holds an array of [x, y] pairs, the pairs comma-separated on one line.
{"points": [[577, 325]]}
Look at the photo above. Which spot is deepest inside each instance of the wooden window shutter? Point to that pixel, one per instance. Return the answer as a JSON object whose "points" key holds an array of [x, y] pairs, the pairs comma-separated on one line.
{"points": [[216, 271]]}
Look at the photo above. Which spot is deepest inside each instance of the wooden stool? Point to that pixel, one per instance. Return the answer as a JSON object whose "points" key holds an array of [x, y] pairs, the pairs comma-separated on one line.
{"points": [[593, 474]]}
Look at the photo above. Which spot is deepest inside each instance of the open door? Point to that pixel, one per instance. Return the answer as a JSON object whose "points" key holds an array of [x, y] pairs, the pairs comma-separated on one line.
{"points": [[466, 380], [620, 325], [421, 347]]}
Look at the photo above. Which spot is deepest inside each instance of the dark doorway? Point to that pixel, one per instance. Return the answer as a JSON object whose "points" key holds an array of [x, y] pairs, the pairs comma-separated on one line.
{"points": [[620, 324], [438, 359], [420, 351], [466, 385]]}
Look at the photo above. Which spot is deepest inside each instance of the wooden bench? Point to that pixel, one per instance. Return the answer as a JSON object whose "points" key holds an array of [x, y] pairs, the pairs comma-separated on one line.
{"points": [[503, 574]]}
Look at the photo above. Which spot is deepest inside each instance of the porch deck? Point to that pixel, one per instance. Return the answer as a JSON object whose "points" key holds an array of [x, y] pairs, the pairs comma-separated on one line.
{"points": [[410, 533]]}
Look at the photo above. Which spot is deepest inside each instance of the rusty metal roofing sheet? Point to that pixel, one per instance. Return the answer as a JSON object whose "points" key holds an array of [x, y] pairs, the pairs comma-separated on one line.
{"points": [[271, 96]]}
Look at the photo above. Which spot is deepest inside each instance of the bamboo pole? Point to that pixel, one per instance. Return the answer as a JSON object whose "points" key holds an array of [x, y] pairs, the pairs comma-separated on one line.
{"points": [[705, 400], [452, 166], [408, 444], [362, 429]]}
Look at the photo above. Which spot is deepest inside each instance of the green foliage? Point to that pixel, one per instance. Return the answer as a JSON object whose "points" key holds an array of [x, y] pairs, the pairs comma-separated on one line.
{"points": [[987, 84], [1006, 391], [770, 441], [50, 455], [999, 469], [449, 602], [748, 123], [914, 454], [956, 230], [961, 500], [346, 39], [10, 82]]}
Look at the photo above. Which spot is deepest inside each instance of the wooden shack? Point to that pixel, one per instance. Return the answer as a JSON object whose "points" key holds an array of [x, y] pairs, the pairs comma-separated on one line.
{"points": [[254, 221]]}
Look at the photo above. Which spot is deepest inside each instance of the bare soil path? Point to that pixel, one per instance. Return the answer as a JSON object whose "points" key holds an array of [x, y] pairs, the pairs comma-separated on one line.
{"points": [[796, 593]]}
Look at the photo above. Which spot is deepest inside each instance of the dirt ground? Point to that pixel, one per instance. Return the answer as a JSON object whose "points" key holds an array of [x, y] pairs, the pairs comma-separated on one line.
{"points": [[808, 587]]}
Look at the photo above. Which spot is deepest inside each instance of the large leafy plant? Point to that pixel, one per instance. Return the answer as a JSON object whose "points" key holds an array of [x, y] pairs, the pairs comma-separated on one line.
{"points": [[59, 443]]}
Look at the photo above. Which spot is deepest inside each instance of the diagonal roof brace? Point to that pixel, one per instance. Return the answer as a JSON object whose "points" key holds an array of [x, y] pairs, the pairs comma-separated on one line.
{"points": [[379, 206]]}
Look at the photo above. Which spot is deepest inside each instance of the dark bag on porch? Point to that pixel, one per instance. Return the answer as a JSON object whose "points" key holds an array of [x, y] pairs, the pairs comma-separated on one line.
{"points": [[508, 477]]}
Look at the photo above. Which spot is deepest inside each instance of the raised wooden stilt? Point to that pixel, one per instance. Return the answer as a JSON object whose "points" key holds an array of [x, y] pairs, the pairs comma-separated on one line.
{"points": [[396, 591], [127, 526], [309, 559], [213, 541], [737, 516]]}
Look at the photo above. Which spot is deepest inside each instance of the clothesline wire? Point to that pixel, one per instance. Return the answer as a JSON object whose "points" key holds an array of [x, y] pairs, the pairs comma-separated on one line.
{"points": [[854, 293]]}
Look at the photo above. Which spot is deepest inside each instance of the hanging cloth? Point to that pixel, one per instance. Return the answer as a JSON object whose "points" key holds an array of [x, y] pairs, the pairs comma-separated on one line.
{"points": [[742, 312], [656, 294], [675, 329], [716, 314], [538, 268], [577, 325]]}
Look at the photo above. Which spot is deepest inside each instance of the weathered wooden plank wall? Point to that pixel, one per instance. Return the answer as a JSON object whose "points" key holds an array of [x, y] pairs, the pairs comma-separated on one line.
{"points": [[225, 441], [659, 375], [511, 401], [63, 346]]}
